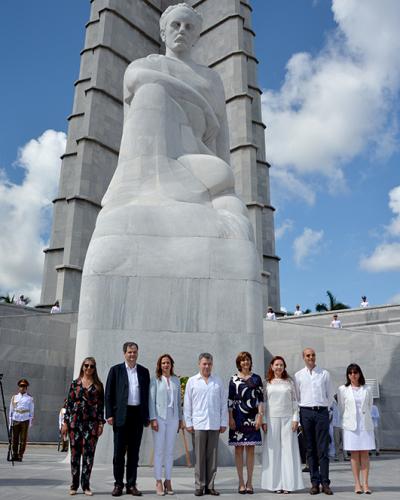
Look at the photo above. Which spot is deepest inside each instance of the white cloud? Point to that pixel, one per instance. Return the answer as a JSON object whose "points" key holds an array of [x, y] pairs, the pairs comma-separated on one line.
{"points": [[286, 184], [308, 243], [285, 227], [386, 256], [395, 299], [394, 204], [25, 214], [342, 102]]}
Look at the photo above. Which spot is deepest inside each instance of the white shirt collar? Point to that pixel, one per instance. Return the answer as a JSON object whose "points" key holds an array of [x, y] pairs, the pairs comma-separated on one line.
{"points": [[199, 376], [129, 368], [316, 369]]}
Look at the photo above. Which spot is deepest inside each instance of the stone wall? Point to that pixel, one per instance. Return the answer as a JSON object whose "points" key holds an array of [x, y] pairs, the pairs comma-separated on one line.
{"points": [[40, 347]]}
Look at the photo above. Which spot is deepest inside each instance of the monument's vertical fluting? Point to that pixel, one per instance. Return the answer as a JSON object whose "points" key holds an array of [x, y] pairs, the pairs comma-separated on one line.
{"points": [[116, 34], [226, 45]]}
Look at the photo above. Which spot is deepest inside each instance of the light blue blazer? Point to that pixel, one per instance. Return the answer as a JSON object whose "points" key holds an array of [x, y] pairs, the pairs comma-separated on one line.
{"points": [[158, 400]]}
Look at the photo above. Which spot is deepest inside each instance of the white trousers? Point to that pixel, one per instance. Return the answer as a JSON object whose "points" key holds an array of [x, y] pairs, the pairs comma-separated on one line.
{"points": [[281, 464], [164, 444]]}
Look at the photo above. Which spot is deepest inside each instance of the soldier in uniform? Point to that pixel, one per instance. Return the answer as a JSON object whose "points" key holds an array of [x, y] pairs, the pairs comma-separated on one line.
{"points": [[21, 416]]}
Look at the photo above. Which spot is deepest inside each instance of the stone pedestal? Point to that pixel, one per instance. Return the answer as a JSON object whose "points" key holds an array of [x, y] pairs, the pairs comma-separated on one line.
{"points": [[171, 294]]}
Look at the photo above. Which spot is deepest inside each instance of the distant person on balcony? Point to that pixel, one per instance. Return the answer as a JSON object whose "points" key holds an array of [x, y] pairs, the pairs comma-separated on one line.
{"points": [[270, 314], [56, 308], [298, 311], [364, 302], [20, 301], [336, 323]]}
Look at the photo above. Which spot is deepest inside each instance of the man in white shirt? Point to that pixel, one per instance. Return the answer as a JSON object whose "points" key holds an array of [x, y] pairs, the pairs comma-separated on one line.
{"points": [[63, 438], [206, 414], [298, 311], [337, 430], [127, 410], [375, 419], [20, 301], [56, 308], [270, 314], [315, 396], [336, 323], [21, 416], [364, 302]]}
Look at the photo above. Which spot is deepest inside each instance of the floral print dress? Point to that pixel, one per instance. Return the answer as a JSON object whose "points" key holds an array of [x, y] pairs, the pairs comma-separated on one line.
{"points": [[244, 397], [84, 412]]}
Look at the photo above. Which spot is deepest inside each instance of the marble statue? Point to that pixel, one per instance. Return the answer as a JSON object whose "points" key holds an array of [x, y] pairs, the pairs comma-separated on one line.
{"points": [[172, 263], [175, 143]]}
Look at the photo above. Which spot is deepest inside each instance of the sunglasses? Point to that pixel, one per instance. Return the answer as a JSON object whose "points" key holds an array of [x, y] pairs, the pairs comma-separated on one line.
{"points": [[353, 373], [87, 365], [22, 385]]}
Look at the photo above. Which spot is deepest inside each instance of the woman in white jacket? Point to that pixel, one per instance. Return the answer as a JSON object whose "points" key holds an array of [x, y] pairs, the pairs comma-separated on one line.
{"points": [[355, 402], [165, 412], [281, 464]]}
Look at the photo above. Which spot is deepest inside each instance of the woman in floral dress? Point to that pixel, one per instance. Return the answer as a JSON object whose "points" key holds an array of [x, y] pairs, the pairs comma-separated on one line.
{"points": [[83, 421], [246, 406]]}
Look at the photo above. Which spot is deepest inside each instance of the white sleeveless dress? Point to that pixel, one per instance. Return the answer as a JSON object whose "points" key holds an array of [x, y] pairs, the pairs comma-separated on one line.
{"points": [[360, 439]]}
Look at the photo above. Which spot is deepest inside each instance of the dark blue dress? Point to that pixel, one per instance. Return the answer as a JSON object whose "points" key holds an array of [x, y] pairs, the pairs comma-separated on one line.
{"points": [[244, 398]]}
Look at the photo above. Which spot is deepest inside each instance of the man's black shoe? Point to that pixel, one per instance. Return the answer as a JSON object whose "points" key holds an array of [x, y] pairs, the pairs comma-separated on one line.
{"points": [[314, 490], [212, 492], [117, 491], [198, 493], [326, 489], [132, 490]]}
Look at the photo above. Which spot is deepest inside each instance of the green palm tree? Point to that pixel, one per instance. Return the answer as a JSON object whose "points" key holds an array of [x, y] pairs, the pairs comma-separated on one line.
{"points": [[7, 299], [334, 305]]}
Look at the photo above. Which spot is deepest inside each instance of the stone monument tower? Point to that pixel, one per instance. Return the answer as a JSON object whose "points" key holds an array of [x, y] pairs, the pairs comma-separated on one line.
{"points": [[116, 34]]}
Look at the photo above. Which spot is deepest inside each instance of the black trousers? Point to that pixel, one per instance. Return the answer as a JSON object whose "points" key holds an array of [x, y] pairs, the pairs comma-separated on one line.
{"points": [[315, 425], [127, 439], [19, 438]]}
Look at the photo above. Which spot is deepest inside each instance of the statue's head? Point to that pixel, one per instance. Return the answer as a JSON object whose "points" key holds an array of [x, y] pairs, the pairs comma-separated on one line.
{"points": [[180, 27]]}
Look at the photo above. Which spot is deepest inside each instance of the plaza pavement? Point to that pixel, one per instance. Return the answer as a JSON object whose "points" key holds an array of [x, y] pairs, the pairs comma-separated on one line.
{"points": [[44, 474]]}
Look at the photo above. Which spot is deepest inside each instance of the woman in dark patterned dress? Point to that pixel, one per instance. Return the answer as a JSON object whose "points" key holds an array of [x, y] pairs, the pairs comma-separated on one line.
{"points": [[83, 421], [246, 408]]}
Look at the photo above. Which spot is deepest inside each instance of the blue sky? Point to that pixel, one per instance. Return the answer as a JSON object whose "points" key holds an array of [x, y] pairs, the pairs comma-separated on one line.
{"points": [[331, 77]]}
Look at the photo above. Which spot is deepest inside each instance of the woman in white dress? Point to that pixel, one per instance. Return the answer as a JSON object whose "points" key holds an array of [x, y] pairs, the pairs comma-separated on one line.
{"points": [[281, 464], [355, 402]]}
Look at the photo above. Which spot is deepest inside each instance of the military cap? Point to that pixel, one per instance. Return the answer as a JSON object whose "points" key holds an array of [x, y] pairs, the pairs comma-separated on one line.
{"points": [[23, 381]]}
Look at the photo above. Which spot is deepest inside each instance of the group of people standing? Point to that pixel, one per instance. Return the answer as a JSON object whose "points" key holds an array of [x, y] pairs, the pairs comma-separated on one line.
{"points": [[258, 413]]}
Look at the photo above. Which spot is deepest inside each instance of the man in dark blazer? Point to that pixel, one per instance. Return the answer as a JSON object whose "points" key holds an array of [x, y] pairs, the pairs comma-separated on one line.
{"points": [[127, 410]]}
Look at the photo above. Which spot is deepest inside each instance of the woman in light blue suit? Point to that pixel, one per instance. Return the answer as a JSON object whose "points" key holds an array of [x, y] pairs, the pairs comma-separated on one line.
{"points": [[166, 419]]}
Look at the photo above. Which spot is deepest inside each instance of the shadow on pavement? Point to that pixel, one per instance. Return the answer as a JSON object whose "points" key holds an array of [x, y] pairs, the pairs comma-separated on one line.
{"points": [[30, 481]]}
